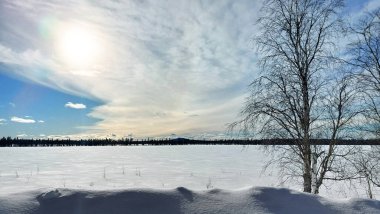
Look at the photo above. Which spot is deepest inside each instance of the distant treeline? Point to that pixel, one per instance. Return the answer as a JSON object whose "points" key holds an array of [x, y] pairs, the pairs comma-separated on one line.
{"points": [[17, 142]]}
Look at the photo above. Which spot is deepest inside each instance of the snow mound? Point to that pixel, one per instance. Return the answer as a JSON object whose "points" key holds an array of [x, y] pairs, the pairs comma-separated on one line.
{"points": [[259, 200]]}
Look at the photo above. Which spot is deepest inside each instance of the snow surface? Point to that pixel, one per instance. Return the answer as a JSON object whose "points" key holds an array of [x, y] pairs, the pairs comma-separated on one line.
{"points": [[144, 179], [163, 167], [260, 200]]}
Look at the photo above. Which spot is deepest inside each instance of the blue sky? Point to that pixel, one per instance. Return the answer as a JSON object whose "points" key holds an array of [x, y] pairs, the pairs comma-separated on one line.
{"points": [[43, 110], [115, 68]]}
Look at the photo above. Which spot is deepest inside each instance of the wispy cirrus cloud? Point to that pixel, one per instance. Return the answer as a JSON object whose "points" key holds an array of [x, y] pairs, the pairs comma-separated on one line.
{"points": [[75, 105], [22, 120], [166, 61]]}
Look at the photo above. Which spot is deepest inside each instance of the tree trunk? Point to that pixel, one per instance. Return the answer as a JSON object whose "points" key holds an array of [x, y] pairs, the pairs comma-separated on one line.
{"points": [[315, 189], [307, 177], [369, 190], [307, 167]]}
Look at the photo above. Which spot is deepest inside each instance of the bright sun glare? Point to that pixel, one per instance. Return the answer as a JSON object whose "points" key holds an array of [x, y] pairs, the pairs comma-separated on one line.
{"points": [[78, 47]]}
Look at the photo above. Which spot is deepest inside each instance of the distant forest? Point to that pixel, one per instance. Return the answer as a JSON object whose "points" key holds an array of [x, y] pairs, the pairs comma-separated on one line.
{"points": [[17, 142]]}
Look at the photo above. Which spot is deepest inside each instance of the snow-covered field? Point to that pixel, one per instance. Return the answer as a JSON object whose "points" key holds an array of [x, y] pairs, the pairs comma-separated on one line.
{"points": [[195, 167], [42, 179]]}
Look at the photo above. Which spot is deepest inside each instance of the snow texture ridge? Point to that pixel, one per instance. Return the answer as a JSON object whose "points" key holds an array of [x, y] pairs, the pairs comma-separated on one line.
{"points": [[260, 200]]}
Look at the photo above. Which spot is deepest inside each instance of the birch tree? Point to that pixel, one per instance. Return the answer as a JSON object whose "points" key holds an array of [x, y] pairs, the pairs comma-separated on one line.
{"points": [[365, 57], [288, 99], [365, 52]]}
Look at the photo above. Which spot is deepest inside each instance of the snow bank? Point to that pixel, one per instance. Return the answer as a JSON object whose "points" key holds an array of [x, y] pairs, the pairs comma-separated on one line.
{"points": [[180, 200]]}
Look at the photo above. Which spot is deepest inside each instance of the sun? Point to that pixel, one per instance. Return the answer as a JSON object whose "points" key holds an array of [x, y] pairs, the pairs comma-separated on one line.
{"points": [[78, 47]]}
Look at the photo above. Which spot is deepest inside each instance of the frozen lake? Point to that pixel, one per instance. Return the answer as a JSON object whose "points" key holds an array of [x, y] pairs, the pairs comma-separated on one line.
{"points": [[162, 167]]}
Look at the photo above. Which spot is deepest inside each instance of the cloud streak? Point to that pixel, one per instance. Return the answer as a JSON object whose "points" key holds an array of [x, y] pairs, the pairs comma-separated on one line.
{"points": [[75, 105], [22, 120]]}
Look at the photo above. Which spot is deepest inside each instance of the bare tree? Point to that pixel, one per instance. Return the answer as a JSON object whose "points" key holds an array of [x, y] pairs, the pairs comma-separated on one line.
{"points": [[336, 120], [365, 52], [340, 111], [288, 99], [366, 167], [359, 167]]}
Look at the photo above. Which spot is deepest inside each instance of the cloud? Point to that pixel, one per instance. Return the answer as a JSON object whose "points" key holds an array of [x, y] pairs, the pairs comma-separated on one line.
{"points": [[41, 121], [75, 105], [162, 59], [2, 121], [372, 5], [12, 104], [22, 120]]}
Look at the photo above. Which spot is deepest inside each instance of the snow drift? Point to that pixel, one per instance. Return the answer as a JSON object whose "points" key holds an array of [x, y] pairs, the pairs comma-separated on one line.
{"points": [[180, 200]]}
